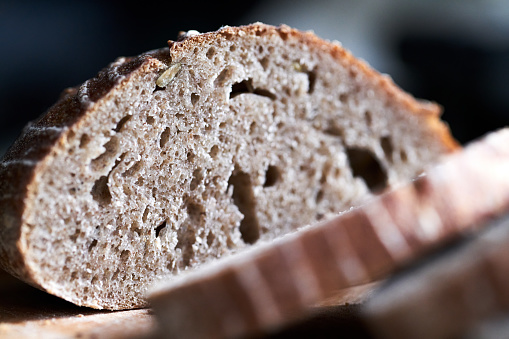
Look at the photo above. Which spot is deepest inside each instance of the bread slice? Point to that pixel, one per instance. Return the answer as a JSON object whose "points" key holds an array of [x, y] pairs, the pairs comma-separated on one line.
{"points": [[269, 286], [451, 296], [182, 155]]}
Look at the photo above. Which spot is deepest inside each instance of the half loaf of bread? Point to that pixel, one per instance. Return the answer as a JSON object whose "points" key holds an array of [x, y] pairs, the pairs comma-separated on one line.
{"points": [[185, 154]]}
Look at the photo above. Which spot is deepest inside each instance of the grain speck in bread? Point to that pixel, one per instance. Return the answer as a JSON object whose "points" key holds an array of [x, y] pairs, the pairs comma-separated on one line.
{"points": [[181, 155]]}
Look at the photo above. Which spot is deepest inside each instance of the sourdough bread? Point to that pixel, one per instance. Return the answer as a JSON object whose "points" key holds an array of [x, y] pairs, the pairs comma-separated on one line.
{"points": [[269, 286], [185, 154]]}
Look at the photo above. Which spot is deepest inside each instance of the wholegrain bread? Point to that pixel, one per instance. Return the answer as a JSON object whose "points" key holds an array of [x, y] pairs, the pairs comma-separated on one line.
{"points": [[267, 287], [185, 154]]}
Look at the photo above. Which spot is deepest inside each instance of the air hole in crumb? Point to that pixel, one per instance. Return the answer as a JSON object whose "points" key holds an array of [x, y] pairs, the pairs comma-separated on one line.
{"points": [[92, 245], [244, 199], [76, 235], [210, 239], [265, 63], [403, 156], [210, 53], [145, 214], [325, 172], [84, 140], [311, 80], [195, 212], [94, 280], [366, 166], [124, 255], [194, 98], [165, 136], [197, 179], [369, 118], [272, 176], [233, 48], [334, 131], [159, 228], [150, 120], [122, 122], [260, 49], [343, 97], [387, 147], [252, 128], [214, 151], [190, 156], [101, 192], [109, 154], [246, 86], [158, 88], [223, 77], [319, 196]]}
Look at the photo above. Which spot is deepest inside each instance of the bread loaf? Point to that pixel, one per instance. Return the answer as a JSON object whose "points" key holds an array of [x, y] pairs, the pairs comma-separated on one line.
{"points": [[185, 154], [270, 286]]}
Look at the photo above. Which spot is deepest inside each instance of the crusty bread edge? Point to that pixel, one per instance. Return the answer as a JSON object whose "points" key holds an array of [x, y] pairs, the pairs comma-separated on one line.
{"points": [[421, 107]]}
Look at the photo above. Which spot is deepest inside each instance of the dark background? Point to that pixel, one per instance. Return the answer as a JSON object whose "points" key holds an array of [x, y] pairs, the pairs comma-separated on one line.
{"points": [[453, 52]]}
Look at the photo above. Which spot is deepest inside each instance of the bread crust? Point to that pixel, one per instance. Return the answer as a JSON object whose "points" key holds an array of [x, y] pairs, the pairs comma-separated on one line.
{"points": [[41, 139], [430, 110]]}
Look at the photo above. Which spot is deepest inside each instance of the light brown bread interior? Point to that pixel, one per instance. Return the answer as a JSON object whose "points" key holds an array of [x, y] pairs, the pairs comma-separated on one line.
{"points": [[193, 152]]}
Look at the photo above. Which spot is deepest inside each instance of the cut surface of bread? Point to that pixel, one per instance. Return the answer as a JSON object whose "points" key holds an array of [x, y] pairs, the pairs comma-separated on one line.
{"points": [[269, 286], [182, 155]]}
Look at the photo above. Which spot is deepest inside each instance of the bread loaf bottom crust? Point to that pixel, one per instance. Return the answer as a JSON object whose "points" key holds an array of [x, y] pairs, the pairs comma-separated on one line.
{"points": [[183, 155]]}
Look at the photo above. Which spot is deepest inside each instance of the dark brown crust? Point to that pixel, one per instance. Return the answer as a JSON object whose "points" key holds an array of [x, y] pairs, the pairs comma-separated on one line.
{"points": [[356, 248], [26, 157]]}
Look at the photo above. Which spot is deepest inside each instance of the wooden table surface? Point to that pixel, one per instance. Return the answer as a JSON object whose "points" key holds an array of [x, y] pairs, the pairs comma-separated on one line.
{"points": [[26, 312]]}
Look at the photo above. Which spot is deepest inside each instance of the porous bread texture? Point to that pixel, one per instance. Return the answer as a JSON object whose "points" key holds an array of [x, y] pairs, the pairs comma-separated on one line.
{"points": [[256, 131]]}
